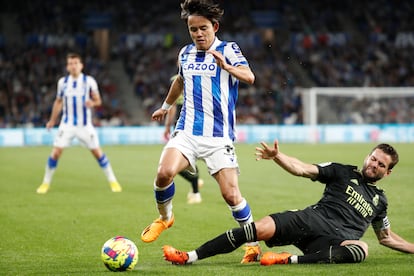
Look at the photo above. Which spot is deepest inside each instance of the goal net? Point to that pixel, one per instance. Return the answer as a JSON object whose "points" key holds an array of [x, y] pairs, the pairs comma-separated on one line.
{"points": [[357, 105]]}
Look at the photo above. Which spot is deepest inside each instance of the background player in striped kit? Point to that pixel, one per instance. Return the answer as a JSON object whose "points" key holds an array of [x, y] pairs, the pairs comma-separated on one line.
{"points": [[209, 74], [77, 94]]}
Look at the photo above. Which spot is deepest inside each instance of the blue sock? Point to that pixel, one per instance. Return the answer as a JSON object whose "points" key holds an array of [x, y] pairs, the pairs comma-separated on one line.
{"points": [[242, 213], [52, 163], [103, 161], [163, 195]]}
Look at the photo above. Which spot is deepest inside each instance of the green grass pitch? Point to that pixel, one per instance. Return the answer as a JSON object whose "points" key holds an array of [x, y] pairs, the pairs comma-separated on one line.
{"points": [[62, 232]]}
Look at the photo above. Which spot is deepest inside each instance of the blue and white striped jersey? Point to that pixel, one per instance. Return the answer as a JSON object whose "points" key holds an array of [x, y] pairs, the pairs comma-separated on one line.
{"points": [[210, 93], [74, 93]]}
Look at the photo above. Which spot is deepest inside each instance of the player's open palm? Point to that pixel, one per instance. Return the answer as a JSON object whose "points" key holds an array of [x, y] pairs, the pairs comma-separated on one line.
{"points": [[266, 152]]}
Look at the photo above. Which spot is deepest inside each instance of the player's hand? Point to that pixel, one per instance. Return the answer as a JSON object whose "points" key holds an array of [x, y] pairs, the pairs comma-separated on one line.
{"points": [[159, 114], [220, 60], [266, 152], [167, 133], [89, 104], [50, 124]]}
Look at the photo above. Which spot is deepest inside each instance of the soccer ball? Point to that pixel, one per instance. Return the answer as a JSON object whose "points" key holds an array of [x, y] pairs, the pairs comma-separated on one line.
{"points": [[119, 254]]}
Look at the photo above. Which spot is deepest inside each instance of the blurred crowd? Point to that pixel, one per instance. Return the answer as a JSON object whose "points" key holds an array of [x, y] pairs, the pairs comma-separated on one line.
{"points": [[28, 82], [289, 44]]}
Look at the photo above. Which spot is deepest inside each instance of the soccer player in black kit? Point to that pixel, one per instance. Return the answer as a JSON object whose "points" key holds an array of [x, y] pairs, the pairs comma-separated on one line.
{"points": [[326, 232]]}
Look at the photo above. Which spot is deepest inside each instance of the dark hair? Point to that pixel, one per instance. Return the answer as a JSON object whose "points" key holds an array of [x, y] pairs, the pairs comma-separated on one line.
{"points": [[205, 8], [74, 55], [389, 150]]}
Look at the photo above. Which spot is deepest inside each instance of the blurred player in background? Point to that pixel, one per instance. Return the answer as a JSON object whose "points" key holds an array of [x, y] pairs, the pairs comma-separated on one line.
{"points": [[326, 232], [196, 182], [77, 94], [209, 75]]}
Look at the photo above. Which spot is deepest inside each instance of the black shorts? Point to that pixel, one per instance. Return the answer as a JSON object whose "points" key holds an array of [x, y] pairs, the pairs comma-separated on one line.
{"points": [[302, 229]]}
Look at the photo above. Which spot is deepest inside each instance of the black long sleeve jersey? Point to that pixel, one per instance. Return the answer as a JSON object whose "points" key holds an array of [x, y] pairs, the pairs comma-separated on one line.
{"points": [[349, 203]]}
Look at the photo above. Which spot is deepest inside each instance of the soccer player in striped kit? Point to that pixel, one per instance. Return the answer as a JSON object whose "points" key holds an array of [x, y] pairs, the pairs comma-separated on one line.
{"points": [[77, 94], [209, 74]]}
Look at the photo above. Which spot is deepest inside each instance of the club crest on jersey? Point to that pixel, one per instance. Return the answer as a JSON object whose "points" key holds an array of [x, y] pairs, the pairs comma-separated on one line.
{"points": [[236, 49], [375, 200], [200, 68]]}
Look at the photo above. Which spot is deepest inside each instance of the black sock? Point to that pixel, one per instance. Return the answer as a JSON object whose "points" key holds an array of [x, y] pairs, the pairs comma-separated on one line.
{"points": [[192, 178], [335, 255], [228, 241]]}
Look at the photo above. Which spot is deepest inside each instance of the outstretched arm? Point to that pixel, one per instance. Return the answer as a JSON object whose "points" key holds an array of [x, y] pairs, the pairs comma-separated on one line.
{"points": [[288, 163], [389, 239]]}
